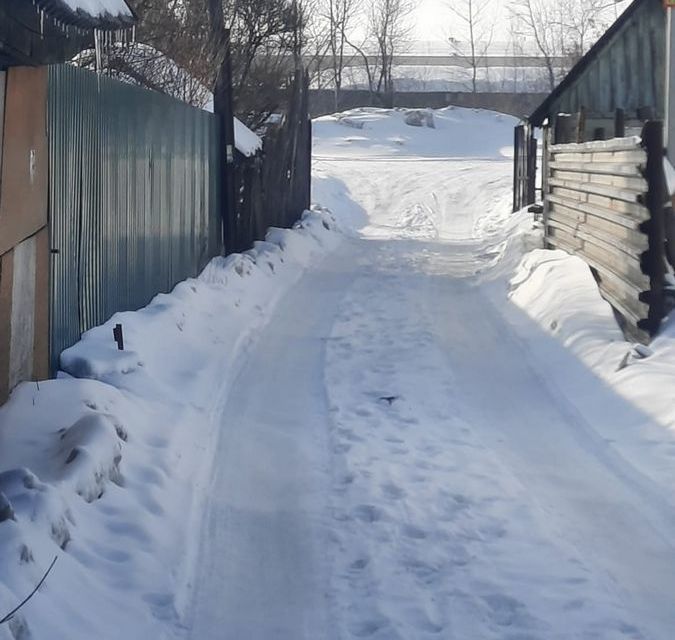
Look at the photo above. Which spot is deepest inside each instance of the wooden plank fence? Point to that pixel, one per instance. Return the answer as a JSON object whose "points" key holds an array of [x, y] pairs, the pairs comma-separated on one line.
{"points": [[604, 201]]}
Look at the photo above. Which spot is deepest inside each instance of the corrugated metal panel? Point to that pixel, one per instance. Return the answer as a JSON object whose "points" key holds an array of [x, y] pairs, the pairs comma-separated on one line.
{"points": [[134, 204]]}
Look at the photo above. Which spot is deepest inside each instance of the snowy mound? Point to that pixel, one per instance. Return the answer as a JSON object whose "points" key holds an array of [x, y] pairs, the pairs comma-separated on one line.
{"points": [[107, 466], [457, 132]]}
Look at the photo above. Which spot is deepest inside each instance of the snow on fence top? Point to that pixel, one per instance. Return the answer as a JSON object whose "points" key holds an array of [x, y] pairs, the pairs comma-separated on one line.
{"points": [[100, 8], [245, 140], [104, 15]]}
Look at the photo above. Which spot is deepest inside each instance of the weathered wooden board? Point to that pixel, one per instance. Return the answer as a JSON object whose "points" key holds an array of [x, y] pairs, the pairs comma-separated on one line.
{"points": [[604, 203]]}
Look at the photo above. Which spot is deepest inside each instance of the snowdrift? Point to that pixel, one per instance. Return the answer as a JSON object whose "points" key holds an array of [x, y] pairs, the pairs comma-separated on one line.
{"points": [[457, 132], [107, 466]]}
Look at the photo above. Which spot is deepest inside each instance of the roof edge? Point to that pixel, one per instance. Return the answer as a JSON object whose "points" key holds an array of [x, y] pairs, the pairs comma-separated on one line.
{"points": [[60, 10], [538, 116]]}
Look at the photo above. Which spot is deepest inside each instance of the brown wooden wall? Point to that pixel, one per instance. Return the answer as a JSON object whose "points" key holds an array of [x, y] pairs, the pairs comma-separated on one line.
{"points": [[24, 238]]}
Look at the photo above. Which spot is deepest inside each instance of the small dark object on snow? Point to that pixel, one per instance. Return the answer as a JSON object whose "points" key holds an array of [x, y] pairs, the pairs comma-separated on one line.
{"points": [[72, 455], [118, 336], [389, 399], [6, 511], [420, 118]]}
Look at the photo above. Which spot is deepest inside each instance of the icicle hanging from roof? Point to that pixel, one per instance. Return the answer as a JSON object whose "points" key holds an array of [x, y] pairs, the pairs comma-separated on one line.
{"points": [[110, 17]]}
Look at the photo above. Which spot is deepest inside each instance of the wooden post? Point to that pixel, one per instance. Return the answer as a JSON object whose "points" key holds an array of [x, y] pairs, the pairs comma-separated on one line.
{"points": [[564, 128], [581, 125], [645, 113], [654, 264], [223, 109], [619, 123], [670, 85], [227, 137], [547, 134]]}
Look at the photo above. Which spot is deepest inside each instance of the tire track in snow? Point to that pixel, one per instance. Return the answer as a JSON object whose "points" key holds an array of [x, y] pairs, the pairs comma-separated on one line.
{"points": [[436, 534]]}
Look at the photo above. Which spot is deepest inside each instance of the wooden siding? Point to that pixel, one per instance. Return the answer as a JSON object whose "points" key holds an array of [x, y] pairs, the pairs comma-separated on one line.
{"points": [[599, 205], [624, 70]]}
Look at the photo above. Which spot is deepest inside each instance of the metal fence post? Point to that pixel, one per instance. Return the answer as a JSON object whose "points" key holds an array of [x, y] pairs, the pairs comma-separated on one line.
{"points": [[531, 165], [517, 151]]}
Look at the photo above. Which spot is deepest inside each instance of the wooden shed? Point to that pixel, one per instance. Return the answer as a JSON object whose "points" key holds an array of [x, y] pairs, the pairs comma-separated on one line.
{"points": [[625, 70], [611, 92], [603, 187]]}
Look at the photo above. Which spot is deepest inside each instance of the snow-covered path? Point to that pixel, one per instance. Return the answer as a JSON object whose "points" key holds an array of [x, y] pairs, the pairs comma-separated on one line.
{"points": [[264, 569], [401, 458]]}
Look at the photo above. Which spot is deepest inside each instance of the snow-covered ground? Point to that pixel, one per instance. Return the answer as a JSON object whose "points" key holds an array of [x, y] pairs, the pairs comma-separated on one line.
{"points": [[401, 429], [108, 467]]}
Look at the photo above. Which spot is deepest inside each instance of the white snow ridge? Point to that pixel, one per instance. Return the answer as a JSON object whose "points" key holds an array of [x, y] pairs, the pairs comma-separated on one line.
{"points": [[400, 420]]}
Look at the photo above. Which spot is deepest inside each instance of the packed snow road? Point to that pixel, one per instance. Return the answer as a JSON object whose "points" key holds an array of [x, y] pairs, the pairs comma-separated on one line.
{"points": [[397, 460]]}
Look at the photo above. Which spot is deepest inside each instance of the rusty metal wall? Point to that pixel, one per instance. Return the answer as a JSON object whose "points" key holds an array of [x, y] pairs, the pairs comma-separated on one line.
{"points": [[133, 198]]}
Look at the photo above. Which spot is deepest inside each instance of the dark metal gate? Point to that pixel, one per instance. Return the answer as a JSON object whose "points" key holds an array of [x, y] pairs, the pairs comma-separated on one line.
{"points": [[524, 166]]}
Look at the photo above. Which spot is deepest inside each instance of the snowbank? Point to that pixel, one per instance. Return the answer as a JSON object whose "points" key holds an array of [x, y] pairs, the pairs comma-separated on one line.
{"points": [[558, 292], [106, 467], [457, 132]]}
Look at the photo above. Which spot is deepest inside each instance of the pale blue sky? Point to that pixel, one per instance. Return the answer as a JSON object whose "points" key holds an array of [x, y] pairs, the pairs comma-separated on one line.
{"points": [[433, 19]]}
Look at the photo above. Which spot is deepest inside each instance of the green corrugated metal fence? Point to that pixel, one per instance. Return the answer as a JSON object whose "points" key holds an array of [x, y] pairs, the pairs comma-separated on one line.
{"points": [[134, 199]]}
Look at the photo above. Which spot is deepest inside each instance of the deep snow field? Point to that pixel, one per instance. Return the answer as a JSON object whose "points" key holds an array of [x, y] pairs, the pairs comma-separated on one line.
{"points": [[399, 420]]}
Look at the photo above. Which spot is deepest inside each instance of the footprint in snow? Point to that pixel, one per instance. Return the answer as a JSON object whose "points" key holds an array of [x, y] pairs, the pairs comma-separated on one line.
{"points": [[359, 564], [368, 513], [392, 491], [369, 627], [505, 610], [411, 531]]}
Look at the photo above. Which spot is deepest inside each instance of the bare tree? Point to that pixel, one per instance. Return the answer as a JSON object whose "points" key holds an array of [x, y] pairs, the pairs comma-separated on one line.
{"points": [[562, 30], [181, 47], [368, 68], [477, 26], [317, 36], [339, 16], [390, 28], [515, 47], [140, 64], [540, 20], [583, 22]]}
